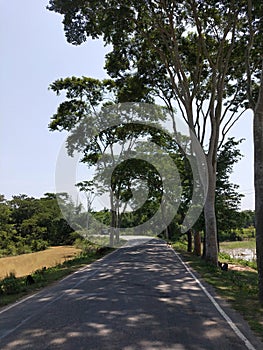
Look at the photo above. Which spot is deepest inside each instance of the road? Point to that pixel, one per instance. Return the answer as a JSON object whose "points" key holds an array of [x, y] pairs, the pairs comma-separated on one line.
{"points": [[138, 297]]}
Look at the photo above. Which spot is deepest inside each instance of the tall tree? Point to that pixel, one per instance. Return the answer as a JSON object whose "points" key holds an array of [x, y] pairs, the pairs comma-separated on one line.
{"points": [[258, 180], [96, 127], [179, 51], [254, 83]]}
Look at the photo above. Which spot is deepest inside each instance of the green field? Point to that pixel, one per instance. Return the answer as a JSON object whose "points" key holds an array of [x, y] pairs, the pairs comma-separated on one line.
{"points": [[238, 244]]}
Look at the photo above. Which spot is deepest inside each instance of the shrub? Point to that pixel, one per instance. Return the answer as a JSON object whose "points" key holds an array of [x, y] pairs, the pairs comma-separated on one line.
{"points": [[38, 245], [10, 284], [87, 247]]}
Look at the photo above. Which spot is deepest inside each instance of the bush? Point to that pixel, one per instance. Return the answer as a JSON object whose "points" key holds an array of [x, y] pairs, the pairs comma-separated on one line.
{"points": [[10, 284], [38, 245], [230, 236], [86, 246], [237, 235]]}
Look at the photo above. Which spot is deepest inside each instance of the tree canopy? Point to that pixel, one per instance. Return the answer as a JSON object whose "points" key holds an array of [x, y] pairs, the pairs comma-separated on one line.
{"points": [[28, 224]]}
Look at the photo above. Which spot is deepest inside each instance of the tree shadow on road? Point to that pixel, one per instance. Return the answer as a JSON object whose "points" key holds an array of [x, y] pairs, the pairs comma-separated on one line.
{"points": [[137, 298]]}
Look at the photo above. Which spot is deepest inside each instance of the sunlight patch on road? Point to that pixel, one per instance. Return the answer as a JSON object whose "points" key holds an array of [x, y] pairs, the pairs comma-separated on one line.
{"points": [[100, 328], [58, 341]]}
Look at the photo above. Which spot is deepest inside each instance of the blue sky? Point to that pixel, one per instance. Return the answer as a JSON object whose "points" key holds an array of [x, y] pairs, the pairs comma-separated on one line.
{"points": [[34, 53]]}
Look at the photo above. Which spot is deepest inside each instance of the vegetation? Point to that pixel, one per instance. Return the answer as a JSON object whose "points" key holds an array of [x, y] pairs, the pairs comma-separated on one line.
{"points": [[240, 244], [203, 56], [239, 287], [186, 53], [29, 225], [254, 88], [12, 288], [25, 264]]}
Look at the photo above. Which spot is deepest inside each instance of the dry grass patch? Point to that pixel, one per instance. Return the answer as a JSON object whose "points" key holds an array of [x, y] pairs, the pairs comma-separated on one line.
{"points": [[25, 264]]}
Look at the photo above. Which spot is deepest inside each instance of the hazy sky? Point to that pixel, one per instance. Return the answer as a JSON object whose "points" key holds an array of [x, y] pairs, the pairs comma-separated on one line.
{"points": [[34, 53]]}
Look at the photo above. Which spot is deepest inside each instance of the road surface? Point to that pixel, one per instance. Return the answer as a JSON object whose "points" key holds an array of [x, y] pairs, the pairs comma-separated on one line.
{"points": [[138, 297]]}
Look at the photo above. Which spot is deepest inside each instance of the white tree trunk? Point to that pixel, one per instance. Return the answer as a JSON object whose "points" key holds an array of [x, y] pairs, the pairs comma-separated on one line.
{"points": [[211, 248], [258, 179]]}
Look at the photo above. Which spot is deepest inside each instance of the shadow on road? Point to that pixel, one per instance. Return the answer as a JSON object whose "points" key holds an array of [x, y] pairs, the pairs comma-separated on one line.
{"points": [[137, 298]]}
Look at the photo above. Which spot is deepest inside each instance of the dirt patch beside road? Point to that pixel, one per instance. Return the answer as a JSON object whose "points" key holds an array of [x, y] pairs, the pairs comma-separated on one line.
{"points": [[240, 268]]}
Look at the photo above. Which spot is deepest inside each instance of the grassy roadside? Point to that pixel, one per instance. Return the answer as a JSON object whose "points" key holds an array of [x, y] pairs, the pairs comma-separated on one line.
{"points": [[239, 288], [13, 289]]}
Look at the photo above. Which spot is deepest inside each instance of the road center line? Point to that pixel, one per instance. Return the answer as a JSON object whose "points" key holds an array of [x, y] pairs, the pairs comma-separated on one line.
{"points": [[218, 307]]}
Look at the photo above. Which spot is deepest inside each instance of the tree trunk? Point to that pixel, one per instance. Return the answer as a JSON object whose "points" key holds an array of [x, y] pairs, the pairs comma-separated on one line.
{"points": [[113, 220], [117, 224], [211, 249], [204, 247], [197, 243], [258, 181], [189, 241], [117, 235]]}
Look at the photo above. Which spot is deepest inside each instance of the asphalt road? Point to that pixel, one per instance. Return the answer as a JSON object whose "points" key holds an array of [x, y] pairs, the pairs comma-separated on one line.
{"points": [[139, 297]]}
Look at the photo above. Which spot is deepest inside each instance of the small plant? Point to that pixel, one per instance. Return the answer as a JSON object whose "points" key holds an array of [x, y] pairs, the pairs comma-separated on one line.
{"points": [[86, 246], [10, 284]]}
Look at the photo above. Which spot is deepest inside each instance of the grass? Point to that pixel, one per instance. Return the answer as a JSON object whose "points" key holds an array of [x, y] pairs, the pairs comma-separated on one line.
{"points": [[25, 264], [251, 244], [13, 288], [239, 288]]}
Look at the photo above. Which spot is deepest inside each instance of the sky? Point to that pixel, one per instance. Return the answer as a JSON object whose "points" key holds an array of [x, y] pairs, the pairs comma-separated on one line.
{"points": [[34, 53]]}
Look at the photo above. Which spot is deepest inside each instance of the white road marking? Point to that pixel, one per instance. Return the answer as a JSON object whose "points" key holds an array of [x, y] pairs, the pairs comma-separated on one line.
{"points": [[218, 307], [220, 310]]}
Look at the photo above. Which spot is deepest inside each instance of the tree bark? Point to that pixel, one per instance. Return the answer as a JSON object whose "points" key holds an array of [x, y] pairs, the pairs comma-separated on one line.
{"points": [[197, 243], [113, 220], [189, 241], [211, 248], [258, 182]]}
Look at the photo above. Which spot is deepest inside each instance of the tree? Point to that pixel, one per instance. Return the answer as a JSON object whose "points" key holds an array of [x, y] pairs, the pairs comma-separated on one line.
{"points": [[96, 127], [227, 198], [29, 224], [179, 51], [254, 83], [247, 218], [258, 180], [7, 229]]}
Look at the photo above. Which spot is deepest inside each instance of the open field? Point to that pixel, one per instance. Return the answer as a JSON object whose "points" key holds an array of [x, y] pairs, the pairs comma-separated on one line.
{"points": [[25, 264], [251, 244]]}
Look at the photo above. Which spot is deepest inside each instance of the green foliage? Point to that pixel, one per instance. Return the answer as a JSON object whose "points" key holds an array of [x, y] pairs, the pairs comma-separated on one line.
{"points": [[29, 225], [151, 43], [129, 172], [10, 285], [86, 246], [247, 218], [237, 234], [154, 53], [227, 197]]}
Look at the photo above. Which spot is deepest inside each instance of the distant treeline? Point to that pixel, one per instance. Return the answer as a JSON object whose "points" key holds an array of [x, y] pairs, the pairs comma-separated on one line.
{"points": [[28, 224]]}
